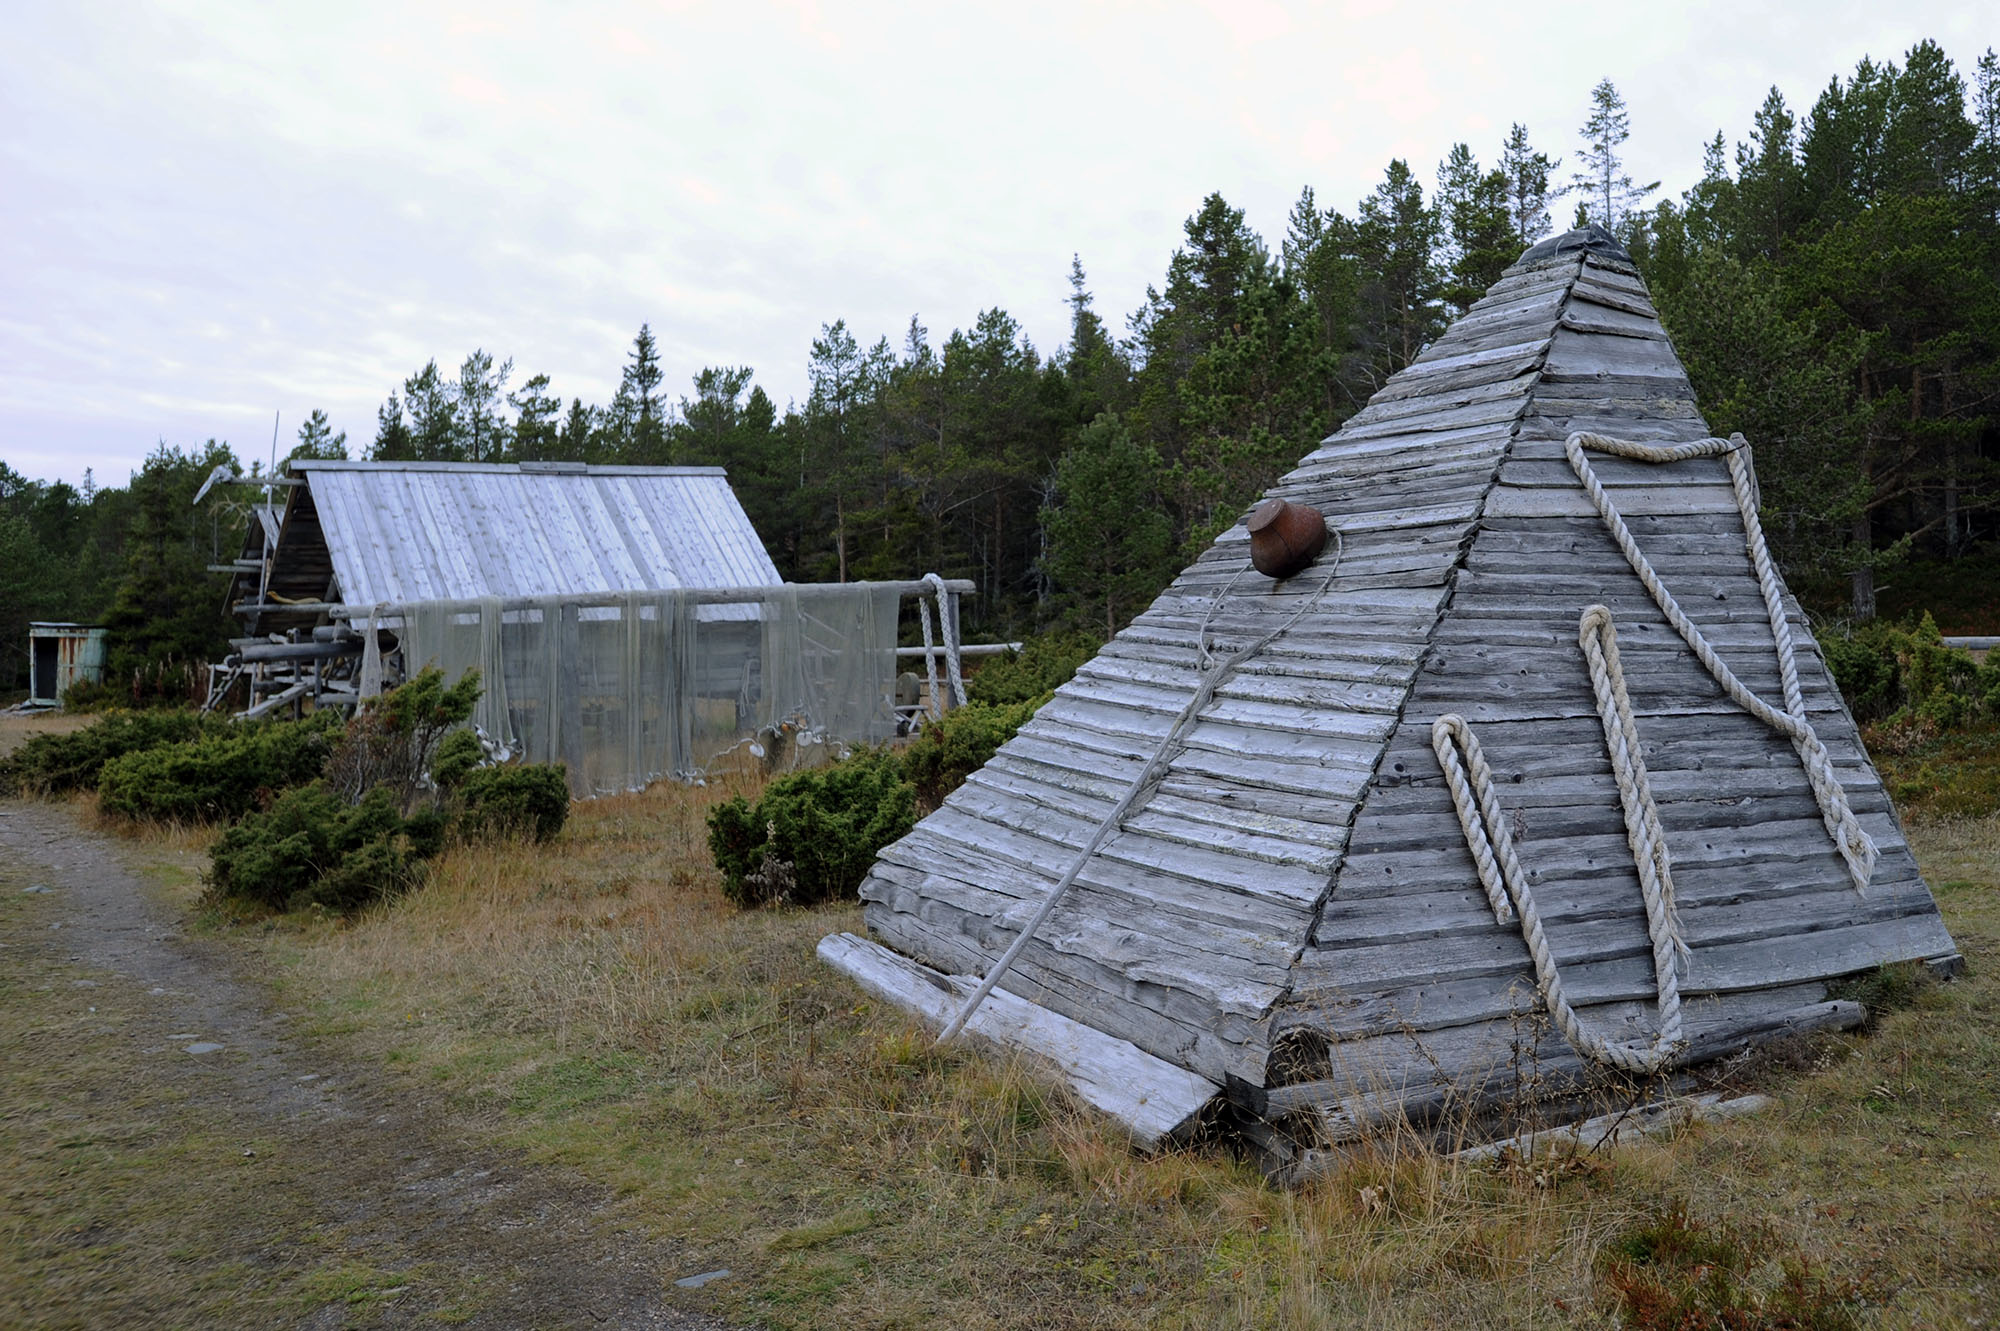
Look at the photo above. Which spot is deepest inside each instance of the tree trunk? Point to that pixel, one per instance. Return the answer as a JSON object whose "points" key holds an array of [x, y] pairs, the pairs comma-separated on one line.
{"points": [[840, 532], [1863, 598]]}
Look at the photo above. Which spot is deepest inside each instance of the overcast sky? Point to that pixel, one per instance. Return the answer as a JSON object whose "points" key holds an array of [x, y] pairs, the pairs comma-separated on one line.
{"points": [[211, 212]]}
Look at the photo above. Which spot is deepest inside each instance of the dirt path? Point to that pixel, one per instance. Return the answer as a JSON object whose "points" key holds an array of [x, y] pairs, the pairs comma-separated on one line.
{"points": [[172, 1155]]}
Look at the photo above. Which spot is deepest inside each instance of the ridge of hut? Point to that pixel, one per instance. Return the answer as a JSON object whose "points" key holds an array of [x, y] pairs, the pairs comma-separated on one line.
{"points": [[1285, 924]]}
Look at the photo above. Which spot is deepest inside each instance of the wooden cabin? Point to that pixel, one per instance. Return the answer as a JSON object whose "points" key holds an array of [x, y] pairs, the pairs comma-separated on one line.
{"points": [[394, 534], [1287, 930], [62, 654]]}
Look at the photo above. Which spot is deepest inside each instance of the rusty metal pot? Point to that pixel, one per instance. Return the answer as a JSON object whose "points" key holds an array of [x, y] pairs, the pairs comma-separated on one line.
{"points": [[1285, 537]]}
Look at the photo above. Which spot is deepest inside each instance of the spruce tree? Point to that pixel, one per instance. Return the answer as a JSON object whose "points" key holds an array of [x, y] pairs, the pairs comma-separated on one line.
{"points": [[1610, 198], [639, 410]]}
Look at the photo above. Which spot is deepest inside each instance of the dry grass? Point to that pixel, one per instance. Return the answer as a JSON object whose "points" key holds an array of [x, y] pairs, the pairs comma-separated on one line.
{"points": [[598, 1003], [16, 727]]}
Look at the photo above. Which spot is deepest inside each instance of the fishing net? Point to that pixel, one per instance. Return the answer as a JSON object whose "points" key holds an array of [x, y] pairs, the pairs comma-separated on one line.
{"points": [[627, 688]]}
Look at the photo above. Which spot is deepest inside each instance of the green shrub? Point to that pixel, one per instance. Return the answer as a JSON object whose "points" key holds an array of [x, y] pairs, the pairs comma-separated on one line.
{"points": [[1042, 665], [813, 834], [952, 747], [84, 696], [1904, 677], [58, 764], [458, 753], [396, 741], [313, 848], [221, 774], [529, 799]]}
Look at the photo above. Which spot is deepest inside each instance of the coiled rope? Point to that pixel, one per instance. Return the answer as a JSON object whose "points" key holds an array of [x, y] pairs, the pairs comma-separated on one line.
{"points": [[1470, 778], [947, 603], [1213, 671]]}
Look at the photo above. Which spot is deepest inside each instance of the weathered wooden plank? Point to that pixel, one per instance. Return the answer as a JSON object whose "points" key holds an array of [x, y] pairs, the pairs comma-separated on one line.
{"points": [[1186, 984], [1486, 405], [1277, 662], [1584, 949], [1151, 1098], [1610, 322], [1268, 688], [1155, 820], [1524, 1060], [1715, 908], [1104, 1002], [1442, 358], [1178, 1010], [1212, 979], [1602, 296], [1615, 474], [1208, 882], [1595, 355], [1394, 451], [1572, 502], [1070, 820]]}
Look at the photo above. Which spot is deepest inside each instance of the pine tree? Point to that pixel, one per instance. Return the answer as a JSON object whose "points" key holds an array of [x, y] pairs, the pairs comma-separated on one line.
{"points": [[393, 442], [1529, 193], [318, 440], [167, 611], [536, 421], [432, 403], [482, 386], [1094, 372], [1476, 226], [581, 435], [1108, 543], [1395, 242], [1319, 262], [1611, 199]]}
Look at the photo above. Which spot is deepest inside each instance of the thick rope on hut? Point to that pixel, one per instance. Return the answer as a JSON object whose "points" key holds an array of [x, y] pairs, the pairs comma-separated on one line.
{"points": [[1470, 779]]}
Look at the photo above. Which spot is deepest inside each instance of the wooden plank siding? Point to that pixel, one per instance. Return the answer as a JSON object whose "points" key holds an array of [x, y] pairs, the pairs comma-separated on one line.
{"points": [[1299, 871]]}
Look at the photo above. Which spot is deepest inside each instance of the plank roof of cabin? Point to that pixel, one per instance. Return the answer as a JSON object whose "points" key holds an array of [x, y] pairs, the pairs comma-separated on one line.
{"points": [[1299, 874], [369, 532]]}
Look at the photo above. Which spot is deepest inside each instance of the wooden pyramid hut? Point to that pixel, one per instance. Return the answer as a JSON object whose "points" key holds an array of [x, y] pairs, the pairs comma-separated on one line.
{"points": [[1287, 924]]}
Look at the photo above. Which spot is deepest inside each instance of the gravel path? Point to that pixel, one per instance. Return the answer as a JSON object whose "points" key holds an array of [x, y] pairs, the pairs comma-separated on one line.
{"points": [[366, 1178]]}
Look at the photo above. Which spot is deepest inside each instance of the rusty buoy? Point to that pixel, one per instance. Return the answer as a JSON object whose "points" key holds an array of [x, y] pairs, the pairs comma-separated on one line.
{"points": [[1285, 537]]}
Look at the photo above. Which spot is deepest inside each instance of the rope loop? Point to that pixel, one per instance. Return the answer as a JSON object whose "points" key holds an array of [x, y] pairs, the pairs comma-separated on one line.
{"points": [[947, 609], [1856, 847], [1470, 780]]}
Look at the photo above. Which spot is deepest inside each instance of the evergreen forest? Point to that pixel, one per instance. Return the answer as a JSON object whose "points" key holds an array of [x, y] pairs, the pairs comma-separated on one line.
{"points": [[1832, 284]]}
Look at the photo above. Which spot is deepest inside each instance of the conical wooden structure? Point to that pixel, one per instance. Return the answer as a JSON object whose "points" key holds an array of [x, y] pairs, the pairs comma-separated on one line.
{"points": [[1288, 925]]}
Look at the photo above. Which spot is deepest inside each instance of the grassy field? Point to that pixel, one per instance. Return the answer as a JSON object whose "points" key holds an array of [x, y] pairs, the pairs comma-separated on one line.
{"points": [[599, 1005], [596, 1004]]}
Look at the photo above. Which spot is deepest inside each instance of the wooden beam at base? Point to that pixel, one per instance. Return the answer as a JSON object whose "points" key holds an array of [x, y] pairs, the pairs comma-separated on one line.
{"points": [[1150, 1098]]}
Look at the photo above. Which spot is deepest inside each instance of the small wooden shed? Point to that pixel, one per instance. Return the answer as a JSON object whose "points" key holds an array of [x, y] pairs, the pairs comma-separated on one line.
{"points": [[60, 655], [1305, 922]]}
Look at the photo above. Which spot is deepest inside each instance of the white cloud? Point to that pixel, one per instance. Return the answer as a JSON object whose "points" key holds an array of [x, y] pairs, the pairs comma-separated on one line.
{"points": [[213, 211]]}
